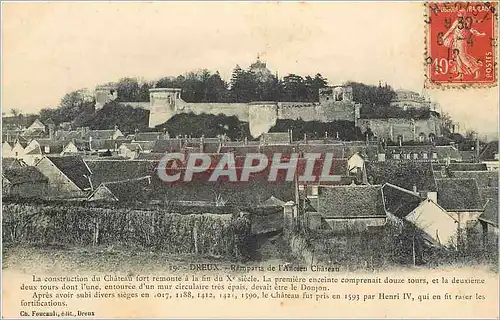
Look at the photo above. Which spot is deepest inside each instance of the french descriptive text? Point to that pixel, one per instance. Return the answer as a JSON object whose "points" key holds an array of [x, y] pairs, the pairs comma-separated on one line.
{"points": [[59, 296]]}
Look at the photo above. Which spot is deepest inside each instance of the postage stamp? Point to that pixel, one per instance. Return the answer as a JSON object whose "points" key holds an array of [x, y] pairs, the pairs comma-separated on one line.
{"points": [[461, 44]]}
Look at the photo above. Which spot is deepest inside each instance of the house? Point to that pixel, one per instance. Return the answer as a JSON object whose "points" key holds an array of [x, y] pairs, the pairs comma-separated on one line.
{"points": [[37, 148], [356, 163], [461, 199], [489, 218], [347, 209], [18, 149], [435, 222], [412, 152], [448, 154], [112, 134], [105, 145], [7, 149], [146, 146], [75, 147], [35, 130], [124, 191], [25, 182], [68, 176], [129, 150]]}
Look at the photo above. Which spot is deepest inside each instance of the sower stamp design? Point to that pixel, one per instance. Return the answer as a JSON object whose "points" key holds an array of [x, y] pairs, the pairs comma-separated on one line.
{"points": [[461, 44]]}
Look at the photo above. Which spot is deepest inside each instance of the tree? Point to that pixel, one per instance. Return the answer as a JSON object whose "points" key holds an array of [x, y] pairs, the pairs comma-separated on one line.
{"points": [[313, 85], [294, 88], [128, 90]]}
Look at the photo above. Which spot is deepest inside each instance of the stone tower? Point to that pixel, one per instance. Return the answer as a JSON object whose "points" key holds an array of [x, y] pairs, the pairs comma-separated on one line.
{"points": [[164, 104], [104, 94]]}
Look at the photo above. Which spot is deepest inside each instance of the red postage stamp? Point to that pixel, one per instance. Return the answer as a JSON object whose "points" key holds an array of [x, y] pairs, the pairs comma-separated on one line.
{"points": [[461, 43]]}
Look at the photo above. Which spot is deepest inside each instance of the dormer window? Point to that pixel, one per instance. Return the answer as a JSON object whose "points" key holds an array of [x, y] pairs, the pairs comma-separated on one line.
{"points": [[46, 149]]}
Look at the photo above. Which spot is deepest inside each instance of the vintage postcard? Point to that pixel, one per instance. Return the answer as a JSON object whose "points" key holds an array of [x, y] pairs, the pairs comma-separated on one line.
{"points": [[249, 160]]}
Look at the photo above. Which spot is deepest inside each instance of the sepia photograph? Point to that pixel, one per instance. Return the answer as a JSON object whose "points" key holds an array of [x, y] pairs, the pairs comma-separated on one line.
{"points": [[249, 159]]}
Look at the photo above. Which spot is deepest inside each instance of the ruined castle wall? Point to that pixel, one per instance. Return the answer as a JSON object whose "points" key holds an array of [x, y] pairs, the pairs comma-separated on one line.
{"points": [[393, 127], [239, 110], [297, 111], [339, 110]]}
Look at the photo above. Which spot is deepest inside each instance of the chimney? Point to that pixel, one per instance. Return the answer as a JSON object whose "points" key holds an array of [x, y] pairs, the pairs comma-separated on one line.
{"points": [[90, 143], [246, 140], [305, 137], [414, 188], [432, 196], [51, 132], [290, 136], [477, 150]]}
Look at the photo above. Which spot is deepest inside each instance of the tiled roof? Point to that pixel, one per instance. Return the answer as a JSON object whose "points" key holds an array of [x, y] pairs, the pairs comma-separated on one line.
{"points": [[338, 150], [404, 174], [25, 174], [242, 194], [150, 156], [489, 151], [148, 136], [458, 194], [275, 137], [351, 201], [443, 152], [167, 145], [398, 201], [108, 144], [8, 163], [489, 197], [146, 145], [104, 171], [458, 166], [241, 150], [484, 179], [129, 190], [99, 134], [74, 168]]}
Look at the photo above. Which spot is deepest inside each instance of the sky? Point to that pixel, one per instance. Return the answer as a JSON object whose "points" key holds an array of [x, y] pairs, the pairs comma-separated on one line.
{"points": [[49, 49]]}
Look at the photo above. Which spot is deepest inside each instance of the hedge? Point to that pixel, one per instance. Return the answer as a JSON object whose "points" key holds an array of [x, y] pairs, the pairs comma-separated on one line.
{"points": [[224, 235]]}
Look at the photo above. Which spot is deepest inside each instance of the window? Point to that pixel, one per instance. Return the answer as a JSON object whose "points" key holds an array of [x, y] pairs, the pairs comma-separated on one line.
{"points": [[415, 156], [46, 149], [407, 156], [396, 156], [424, 155], [434, 155], [314, 191], [301, 187]]}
